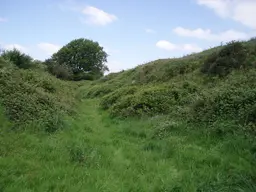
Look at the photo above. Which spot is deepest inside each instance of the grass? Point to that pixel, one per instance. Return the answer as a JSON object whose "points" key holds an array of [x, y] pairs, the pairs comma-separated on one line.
{"points": [[167, 126], [217, 84], [99, 153]]}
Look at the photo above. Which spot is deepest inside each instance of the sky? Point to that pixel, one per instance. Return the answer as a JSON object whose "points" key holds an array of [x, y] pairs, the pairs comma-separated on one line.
{"points": [[132, 32]]}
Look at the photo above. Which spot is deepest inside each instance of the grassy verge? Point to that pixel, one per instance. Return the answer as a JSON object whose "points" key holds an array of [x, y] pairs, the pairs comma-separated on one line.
{"points": [[97, 153]]}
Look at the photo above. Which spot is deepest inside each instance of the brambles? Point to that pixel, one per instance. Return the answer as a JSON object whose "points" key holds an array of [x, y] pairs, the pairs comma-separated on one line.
{"points": [[34, 96], [230, 57], [175, 87], [112, 98], [148, 101]]}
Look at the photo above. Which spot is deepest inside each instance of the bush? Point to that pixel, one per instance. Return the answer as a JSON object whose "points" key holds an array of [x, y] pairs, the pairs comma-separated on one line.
{"points": [[59, 71], [150, 101], [19, 59], [164, 70], [65, 72], [227, 103], [35, 97], [4, 63], [83, 76], [230, 57], [99, 90], [108, 100], [174, 87]]}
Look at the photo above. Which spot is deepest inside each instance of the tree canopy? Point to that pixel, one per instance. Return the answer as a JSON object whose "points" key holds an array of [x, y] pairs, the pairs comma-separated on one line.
{"points": [[18, 58], [82, 56]]}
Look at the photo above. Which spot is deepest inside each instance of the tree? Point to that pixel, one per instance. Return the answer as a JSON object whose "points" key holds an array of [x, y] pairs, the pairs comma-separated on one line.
{"points": [[18, 58], [60, 71], [84, 57]]}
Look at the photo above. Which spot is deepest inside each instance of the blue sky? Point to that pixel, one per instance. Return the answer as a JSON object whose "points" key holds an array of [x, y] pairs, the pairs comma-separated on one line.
{"points": [[132, 32]]}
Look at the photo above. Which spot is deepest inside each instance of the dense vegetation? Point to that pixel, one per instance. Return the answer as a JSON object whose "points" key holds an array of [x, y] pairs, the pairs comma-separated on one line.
{"points": [[203, 87], [81, 59], [21, 60], [186, 124], [32, 96]]}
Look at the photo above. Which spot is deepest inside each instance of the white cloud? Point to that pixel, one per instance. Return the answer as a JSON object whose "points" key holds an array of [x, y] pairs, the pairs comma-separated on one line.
{"points": [[48, 48], [97, 16], [221, 7], [163, 44], [16, 46], [206, 34], [2, 19], [91, 15], [245, 13], [150, 31], [242, 11], [166, 45]]}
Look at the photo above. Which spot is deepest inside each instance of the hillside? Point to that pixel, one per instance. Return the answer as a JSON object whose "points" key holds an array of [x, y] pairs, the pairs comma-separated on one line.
{"points": [[182, 124], [183, 88]]}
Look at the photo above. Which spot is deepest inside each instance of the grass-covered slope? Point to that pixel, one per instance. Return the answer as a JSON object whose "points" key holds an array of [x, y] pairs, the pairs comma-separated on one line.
{"points": [[212, 85], [32, 96], [176, 125]]}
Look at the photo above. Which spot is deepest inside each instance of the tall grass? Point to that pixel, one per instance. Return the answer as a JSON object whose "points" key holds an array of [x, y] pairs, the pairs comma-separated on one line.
{"points": [[98, 153]]}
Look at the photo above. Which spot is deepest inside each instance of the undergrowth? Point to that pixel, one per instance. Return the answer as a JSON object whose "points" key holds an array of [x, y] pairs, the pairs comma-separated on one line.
{"points": [[99, 153], [184, 124], [33, 96], [204, 87]]}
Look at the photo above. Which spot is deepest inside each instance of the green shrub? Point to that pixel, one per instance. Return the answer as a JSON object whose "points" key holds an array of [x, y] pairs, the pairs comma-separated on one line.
{"points": [[164, 70], [230, 103], [108, 100], [110, 76], [30, 97], [175, 87], [151, 101], [59, 71], [37, 62], [232, 56], [99, 90], [190, 87], [19, 59], [4, 63], [82, 76], [65, 72], [40, 65]]}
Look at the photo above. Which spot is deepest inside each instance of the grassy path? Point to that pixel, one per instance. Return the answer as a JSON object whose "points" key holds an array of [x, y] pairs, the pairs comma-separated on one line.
{"points": [[118, 159], [97, 153]]}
